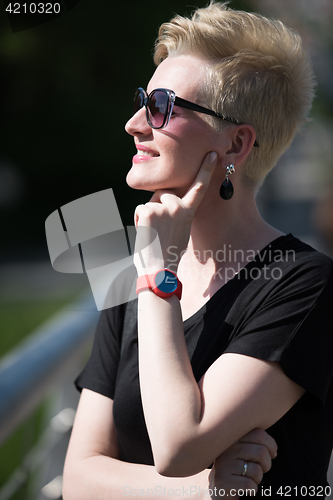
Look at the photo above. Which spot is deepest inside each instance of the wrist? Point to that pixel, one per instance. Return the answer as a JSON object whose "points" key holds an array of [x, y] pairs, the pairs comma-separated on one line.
{"points": [[164, 283], [154, 266], [150, 270], [144, 267]]}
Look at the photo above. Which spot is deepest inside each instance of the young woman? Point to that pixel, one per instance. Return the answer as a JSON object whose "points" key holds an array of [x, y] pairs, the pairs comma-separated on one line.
{"points": [[234, 329]]}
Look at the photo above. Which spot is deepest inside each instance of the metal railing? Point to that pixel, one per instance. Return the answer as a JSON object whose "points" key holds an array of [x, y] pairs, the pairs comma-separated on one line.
{"points": [[48, 359]]}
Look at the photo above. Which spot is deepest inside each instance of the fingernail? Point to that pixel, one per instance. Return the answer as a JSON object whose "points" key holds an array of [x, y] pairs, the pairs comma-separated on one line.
{"points": [[212, 157]]}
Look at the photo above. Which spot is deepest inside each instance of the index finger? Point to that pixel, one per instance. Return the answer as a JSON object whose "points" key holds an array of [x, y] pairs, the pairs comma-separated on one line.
{"points": [[195, 193]]}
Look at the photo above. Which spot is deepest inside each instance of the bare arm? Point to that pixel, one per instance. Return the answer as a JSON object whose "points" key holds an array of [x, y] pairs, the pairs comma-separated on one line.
{"points": [[189, 426], [251, 393], [93, 469]]}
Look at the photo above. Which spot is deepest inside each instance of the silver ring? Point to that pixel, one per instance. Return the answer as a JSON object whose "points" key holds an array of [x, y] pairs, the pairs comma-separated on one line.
{"points": [[244, 469]]}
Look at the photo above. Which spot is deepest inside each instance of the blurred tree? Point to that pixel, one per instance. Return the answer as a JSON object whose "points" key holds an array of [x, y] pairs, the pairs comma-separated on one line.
{"points": [[65, 95]]}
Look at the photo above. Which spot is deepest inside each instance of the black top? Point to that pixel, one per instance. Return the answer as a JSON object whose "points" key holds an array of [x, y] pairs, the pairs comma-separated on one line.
{"points": [[277, 308]]}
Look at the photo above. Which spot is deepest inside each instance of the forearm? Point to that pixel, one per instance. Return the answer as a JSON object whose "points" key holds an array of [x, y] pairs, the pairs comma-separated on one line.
{"points": [[104, 478], [170, 394]]}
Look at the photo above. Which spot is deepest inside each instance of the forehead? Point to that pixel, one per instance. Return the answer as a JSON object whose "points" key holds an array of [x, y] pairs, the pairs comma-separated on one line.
{"points": [[183, 74]]}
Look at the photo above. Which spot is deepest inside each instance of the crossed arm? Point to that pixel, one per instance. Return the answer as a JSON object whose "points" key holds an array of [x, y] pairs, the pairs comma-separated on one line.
{"points": [[93, 469], [190, 424]]}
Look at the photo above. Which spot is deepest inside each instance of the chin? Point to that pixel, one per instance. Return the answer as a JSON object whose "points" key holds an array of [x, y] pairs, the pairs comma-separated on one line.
{"points": [[144, 183], [138, 183]]}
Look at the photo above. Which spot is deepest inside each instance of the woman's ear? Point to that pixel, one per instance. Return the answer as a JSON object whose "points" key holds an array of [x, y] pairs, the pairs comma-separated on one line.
{"points": [[243, 138]]}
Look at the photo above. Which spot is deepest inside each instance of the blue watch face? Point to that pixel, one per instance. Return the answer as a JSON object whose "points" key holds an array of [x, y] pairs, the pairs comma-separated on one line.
{"points": [[166, 281]]}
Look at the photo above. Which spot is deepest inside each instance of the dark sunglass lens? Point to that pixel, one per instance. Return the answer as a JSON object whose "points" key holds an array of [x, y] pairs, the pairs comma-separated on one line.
{"points": [[157, 108], [138, 101]]}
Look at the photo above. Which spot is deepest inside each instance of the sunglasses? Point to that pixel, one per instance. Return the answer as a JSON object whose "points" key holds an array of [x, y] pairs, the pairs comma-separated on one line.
{"points": [[159, 105]]}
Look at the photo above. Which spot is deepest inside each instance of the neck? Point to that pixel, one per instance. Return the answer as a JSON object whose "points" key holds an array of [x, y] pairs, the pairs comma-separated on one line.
{"points": [[225, 235], [235, 225]]}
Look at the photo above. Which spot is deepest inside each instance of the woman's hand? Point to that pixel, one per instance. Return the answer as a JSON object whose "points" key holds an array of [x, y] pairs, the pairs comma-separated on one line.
{"points": [[170, 217], [241, 467]]}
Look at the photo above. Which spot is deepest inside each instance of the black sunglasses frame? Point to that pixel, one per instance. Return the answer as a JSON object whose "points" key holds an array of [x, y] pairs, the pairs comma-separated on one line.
{"points": [[173, 100]]}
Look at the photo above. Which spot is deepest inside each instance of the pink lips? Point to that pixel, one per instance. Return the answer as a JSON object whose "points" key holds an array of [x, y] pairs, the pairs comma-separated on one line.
{"points": [[139, 158]]}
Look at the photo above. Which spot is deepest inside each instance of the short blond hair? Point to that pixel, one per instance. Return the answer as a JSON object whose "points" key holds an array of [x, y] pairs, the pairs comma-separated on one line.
{"points": [[259, 73]]}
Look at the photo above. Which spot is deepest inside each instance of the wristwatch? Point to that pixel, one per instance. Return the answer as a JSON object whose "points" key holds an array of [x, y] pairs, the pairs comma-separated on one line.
{"points": [[163, 283]]}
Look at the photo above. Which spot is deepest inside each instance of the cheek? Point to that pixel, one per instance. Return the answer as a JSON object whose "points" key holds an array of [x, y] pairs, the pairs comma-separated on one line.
{"points": [[193, 141], [194, 150]]}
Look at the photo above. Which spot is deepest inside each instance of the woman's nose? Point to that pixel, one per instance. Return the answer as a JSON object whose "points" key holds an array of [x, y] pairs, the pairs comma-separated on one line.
{"points": [[138, 123]]}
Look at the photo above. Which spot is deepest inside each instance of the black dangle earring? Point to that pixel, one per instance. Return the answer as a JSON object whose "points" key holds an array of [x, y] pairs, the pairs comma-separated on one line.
{"points": [[227, 189]]}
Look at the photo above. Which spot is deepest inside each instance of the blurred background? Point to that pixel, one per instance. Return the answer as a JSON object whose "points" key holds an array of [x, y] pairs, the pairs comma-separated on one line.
{"points": [[66, 91]]}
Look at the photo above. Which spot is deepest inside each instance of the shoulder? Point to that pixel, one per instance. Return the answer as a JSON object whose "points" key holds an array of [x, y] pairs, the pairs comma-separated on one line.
{"points": [[286, 282], [301, 262], [288, 261]]}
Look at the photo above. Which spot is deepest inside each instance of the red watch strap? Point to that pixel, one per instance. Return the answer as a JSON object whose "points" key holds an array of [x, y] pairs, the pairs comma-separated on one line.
{"points": [[147, 282], [144, 282]]}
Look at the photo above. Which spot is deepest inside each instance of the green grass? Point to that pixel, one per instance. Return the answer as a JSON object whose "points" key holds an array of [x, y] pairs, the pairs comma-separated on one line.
{"points": [[18, 445], [17, 321]]}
